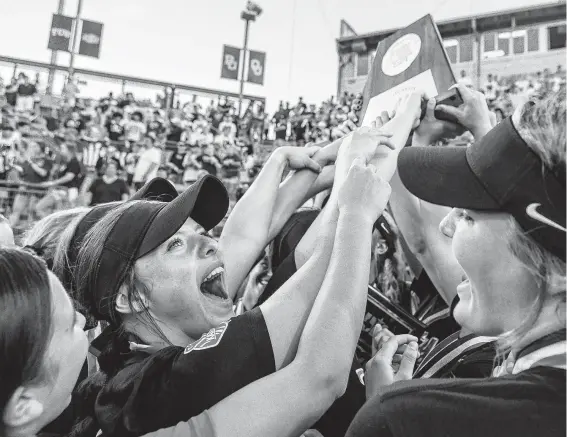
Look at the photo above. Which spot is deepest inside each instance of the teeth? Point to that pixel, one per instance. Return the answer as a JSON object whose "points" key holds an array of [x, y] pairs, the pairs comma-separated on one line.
{"points": [[215, 272]]}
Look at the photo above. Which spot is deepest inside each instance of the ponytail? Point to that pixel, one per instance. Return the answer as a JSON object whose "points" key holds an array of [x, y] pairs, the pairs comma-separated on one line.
{"points": [[111, 360]]}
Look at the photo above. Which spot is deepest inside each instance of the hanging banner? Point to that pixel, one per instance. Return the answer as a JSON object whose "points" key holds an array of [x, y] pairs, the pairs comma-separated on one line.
{"points": [[230, 62], [60, 34], [91, 37], [256, 67]]}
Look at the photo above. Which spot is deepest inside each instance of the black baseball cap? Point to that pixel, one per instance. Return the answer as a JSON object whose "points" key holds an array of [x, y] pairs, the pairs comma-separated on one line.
{"points": [[142, 228], [500, 172]]}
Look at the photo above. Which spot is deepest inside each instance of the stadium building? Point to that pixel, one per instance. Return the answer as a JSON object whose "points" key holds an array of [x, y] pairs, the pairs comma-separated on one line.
{"points": [[520, 41]]}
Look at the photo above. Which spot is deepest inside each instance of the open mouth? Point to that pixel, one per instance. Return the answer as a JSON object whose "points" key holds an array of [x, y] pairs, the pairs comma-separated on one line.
{"points": [[213, 284]]}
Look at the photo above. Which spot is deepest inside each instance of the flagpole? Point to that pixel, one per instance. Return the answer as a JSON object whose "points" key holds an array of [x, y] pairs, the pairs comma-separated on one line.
{"points": [[75, 36]]}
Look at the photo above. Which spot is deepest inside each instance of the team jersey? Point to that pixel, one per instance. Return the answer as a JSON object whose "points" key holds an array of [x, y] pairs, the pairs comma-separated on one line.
{"points": [[159, 390], [528, 402]]}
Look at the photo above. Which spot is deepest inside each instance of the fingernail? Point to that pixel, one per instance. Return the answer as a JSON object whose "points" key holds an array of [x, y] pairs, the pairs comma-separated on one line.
{"points": [[413, 345]]}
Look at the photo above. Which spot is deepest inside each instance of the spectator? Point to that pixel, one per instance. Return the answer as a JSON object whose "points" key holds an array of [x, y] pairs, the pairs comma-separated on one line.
{"points": [[148, 163], [12, 92], [135, 129], [209, 161], [26, 96], [163, 172], [176, 161], [115, 127], [65, 189], [465, 80], [75, 122], [33, 168], [109, 187], [70, 91]]}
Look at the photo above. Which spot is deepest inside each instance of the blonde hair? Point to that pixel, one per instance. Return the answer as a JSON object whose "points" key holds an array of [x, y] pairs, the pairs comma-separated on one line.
{"points": [[542, 125], [46, 233]]}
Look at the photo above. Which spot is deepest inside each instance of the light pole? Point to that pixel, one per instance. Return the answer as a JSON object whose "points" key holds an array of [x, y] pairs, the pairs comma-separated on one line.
{"points": [[51, 76], [75, 36], [250, 14]]}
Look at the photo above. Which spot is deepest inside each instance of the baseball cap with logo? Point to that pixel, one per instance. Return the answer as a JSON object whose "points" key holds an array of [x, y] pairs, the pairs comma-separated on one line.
{"points": [[498, 173]]}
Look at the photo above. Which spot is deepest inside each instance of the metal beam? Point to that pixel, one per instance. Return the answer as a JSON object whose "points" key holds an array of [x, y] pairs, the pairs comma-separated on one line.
{"points": [[130, 79]]}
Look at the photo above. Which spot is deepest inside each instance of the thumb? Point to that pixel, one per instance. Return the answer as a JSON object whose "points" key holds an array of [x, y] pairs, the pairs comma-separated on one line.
{"points": [[451, 110], [311, 150], [431, 103], [312, 165], [408, 362]]}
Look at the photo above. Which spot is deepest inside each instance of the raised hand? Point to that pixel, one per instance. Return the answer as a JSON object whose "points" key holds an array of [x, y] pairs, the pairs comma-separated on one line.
{"points": [[363, 191], [362, 143], [473, 113], [410, 106], [298, 158]]}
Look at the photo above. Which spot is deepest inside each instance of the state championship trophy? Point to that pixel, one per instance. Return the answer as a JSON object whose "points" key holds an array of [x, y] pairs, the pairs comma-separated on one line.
{"points": [[412, 58]]}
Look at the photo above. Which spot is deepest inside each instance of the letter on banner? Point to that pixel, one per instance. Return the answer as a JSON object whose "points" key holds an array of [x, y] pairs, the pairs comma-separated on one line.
{"points": [[230, 62], [256, 67], [91, 36], [60, 34]]}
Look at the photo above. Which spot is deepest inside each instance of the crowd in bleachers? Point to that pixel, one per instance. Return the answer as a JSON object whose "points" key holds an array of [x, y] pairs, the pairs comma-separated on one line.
{"points": [[120, 138]]}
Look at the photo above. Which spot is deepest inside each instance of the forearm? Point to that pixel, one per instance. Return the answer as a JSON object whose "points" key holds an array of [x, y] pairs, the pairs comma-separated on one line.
{"points": [[296, 190], [291, 400], [331, 333], [288, 309], [308, 243], [385, 159], [62, 180], [418, 222], [38, 170], [253, 213]]}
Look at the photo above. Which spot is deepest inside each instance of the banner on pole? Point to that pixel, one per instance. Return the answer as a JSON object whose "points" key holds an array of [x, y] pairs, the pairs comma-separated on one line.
{"points": [[230, 62], [91, 37], [256, 67], [60, 33]]}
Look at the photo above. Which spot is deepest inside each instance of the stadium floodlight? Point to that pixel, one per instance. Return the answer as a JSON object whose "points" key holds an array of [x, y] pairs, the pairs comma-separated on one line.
{"points": [[253, 8]]}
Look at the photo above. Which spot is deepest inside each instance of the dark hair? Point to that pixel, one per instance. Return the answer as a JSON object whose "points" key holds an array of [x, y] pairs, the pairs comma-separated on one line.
{"points": [[116, 347], [25, 320]]}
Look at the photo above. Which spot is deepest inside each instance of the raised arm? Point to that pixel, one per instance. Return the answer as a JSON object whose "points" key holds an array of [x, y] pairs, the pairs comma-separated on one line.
{"points": [[292, 399], [418, 220], [385, 159], [247, 230], [287, 310]]}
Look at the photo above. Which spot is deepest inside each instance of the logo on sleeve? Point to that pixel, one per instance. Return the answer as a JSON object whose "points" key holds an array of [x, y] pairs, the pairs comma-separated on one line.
{"points": [[208, 340]]}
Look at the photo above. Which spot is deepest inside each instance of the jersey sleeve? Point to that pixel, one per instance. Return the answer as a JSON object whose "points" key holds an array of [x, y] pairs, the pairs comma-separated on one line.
{"points": [[175, 384]]}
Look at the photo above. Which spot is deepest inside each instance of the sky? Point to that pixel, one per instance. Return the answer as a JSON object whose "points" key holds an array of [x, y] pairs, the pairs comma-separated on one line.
{"points": [[181, 40]]}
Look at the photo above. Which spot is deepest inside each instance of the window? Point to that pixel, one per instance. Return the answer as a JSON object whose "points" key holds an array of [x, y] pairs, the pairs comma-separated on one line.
{"points": [[556, 37], [451, 47], [466, 49], [533, 40], [489, 42], [362, 64], [519, 41], [504, 43]]}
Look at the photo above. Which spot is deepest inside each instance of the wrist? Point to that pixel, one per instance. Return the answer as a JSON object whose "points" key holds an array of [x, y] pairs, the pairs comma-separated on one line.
{"points": [[481, 130], [357, 216]]}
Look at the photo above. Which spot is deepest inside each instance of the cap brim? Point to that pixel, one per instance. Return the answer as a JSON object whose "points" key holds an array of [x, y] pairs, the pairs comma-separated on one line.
{"points": [[206, 201], [442, 175], [157, 189]]}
